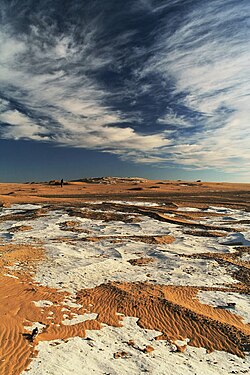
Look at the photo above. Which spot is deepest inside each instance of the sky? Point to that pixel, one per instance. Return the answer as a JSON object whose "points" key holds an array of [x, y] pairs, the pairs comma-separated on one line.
{"points": [[151, 88]]}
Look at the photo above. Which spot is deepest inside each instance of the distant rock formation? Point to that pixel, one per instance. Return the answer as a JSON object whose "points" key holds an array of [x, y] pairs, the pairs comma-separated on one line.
{"points": [[111, 180], [57, 182]]}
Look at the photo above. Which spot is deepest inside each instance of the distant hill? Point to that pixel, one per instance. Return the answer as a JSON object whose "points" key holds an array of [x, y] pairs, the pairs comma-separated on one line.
{"points": [[111, 180]]}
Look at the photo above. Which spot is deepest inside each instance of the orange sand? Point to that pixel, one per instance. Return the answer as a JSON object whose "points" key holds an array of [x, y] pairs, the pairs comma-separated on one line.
{"points": [[179, 193]]}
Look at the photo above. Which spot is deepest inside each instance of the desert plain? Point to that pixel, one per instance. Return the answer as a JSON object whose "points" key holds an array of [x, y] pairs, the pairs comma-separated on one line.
{"points": [[124, 276]]}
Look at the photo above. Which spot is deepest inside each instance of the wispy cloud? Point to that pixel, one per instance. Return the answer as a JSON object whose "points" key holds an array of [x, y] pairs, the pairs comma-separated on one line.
{"points": [[20, 126], [48, 77], [207, 58], [175, 120]]}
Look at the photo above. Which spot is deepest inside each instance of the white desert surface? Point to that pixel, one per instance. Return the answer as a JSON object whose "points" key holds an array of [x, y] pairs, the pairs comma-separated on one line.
{"points": [[125, 277]]}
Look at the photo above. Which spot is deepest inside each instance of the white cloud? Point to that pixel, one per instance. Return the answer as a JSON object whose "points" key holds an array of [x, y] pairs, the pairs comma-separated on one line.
{"points": [[20, 126], [9, 48], [172, 118], [67, 104], [4, 105], [208, 60]]}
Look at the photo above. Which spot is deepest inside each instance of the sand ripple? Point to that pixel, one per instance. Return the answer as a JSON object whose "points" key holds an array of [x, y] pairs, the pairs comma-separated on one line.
{"points": [[174, 311]]}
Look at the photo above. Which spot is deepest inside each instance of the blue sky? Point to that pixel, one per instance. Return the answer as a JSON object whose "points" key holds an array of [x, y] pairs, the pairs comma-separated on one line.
{"points": [[138, 87]]}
